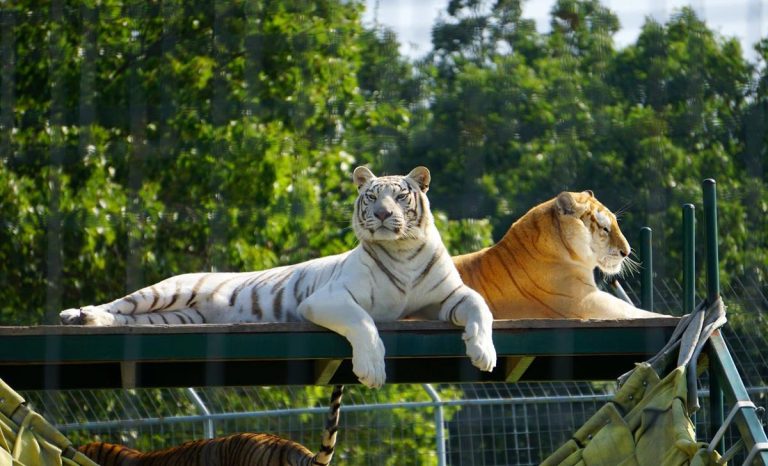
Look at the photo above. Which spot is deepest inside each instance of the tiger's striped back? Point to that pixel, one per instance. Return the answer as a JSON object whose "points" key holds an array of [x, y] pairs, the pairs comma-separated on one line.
{"points": [[244, 449]]}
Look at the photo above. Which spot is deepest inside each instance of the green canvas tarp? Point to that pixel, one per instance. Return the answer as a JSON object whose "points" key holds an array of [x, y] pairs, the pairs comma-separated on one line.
{"points": [[26, 439], [648, 422]]}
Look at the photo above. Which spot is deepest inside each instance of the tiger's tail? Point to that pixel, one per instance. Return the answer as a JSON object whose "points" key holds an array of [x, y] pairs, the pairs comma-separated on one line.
{"points": [[325, 454]]}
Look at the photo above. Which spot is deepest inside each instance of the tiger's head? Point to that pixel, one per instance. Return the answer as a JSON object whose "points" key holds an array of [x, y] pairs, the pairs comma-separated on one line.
{"points": [[590, 231], [391, 208]]}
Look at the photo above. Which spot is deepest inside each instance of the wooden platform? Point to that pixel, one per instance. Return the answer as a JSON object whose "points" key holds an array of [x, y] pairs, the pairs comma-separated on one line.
{"points": [[59, 357]]}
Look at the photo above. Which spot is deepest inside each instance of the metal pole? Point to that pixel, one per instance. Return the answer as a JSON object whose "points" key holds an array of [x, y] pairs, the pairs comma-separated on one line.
{"points": [[713, 293], [710, 229], [209, 430], [439, 423], [689, 259], [646, 273], [618, 290]]}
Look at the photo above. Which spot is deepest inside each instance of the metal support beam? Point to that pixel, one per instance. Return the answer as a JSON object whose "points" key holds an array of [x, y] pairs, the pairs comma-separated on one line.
{"points": [[324, 370], [723, 367], [516, 367], [128, 374]]}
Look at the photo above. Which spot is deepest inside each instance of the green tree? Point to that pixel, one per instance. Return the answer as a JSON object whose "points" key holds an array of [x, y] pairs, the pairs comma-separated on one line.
{"points": [[177, 136], [515, 116]]}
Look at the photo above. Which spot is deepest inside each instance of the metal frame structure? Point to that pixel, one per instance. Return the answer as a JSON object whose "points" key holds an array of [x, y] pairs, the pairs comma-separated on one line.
{"points": [[724, 382], [56, 357]]}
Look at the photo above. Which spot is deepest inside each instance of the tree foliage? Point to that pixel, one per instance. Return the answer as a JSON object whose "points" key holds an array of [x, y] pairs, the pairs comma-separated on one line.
{"points": [[148, 139], [517, 116]]}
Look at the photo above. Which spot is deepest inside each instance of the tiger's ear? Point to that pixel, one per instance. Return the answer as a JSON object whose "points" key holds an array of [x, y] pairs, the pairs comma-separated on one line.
{"points": [[421, 176], [361, 176], [565, 203], [589, 193]]}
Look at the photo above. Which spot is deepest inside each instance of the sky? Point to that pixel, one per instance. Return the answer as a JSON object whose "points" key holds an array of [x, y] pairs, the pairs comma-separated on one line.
{"points": [[412, 20]]}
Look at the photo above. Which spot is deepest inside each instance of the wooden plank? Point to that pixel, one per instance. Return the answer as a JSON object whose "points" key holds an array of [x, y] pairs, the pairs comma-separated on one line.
{"points": [[307, 327]]}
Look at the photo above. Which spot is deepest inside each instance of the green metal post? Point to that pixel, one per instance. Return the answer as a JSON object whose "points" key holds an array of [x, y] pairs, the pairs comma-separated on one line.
{"points": [[689, 266], [713, 292], [689, 259], [646, 274], [710, 230]]}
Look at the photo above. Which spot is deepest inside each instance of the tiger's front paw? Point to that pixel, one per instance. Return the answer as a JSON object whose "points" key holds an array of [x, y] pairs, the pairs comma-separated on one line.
{"points": [[480, 347], [88, 315], [368, 364]]}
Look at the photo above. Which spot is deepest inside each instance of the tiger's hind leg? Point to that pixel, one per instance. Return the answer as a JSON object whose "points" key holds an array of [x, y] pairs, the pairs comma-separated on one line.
{"points": [[95, 316], [172, 294]]}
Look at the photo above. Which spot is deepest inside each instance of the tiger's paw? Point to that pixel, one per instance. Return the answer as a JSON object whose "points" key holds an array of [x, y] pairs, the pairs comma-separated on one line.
{"points": [[71, 317], [480, 347], [88, 315], [368, 365]]}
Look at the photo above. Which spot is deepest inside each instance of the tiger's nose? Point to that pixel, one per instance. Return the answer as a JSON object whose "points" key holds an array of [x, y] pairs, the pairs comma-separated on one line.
{"points": [[624, 252], [382, 214]]}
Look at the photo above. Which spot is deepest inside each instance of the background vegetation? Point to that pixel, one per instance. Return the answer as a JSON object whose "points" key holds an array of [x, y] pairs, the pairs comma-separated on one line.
{"points": [[141, 139], [144, 139]]}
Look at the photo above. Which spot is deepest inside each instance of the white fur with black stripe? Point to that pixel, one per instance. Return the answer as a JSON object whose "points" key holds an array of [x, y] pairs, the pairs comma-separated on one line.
{"points": [[399, 268]]}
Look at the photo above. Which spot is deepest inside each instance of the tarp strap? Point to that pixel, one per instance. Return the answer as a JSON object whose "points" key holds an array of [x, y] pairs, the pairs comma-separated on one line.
{"points": [[23, 425], [713, 319], [685, 345]]}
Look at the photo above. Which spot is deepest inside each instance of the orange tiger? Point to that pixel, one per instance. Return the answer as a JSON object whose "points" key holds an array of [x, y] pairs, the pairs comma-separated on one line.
{"points": [[245, 449], [543, 266]]}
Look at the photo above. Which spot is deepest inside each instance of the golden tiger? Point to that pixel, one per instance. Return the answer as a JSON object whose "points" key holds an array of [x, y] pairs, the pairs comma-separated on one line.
{"points": [[244, 449], [543, 266], [400, 267]]}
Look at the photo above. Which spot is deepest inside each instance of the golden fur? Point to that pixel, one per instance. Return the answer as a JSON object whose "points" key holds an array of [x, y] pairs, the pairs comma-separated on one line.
{"points": [[543, 266]]}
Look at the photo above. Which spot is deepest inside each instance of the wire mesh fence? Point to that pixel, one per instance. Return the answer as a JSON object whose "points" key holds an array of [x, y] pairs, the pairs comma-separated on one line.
{"points": [[462, 424], [501, 430]]}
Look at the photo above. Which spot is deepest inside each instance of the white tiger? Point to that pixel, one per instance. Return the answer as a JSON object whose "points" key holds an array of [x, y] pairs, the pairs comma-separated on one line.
{"points": [[399, 268]]}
